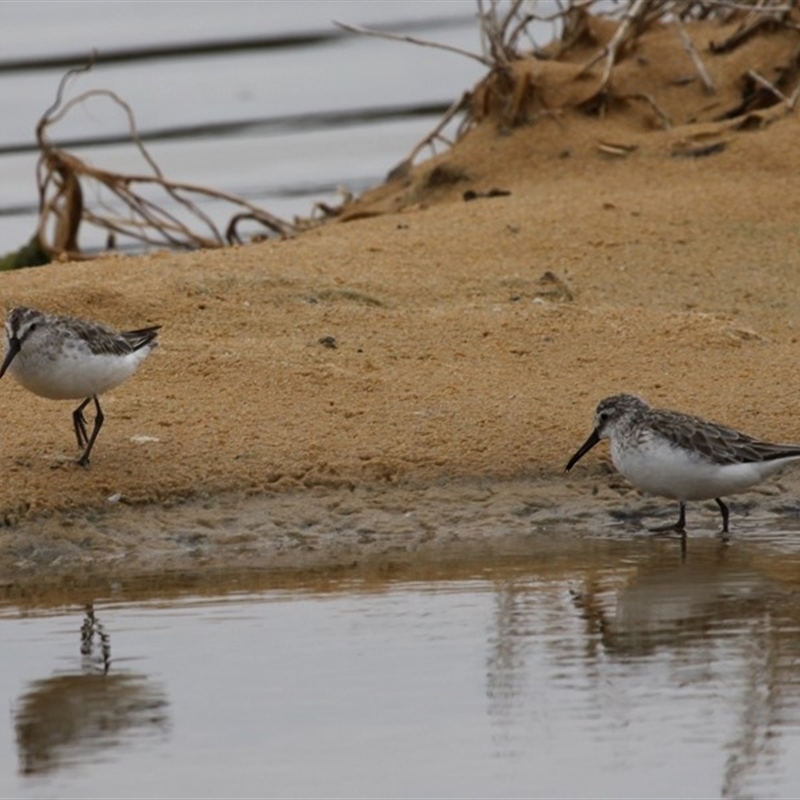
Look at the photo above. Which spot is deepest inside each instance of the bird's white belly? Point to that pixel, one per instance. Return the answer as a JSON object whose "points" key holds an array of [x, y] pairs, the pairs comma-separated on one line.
{"points": [[660, 469], [74, 374]]}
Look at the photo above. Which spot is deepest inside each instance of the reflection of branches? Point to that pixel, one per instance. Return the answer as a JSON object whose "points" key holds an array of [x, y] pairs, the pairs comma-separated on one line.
{"points": [[60, 179]]}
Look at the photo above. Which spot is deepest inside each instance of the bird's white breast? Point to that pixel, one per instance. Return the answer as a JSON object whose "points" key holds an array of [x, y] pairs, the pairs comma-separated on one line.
{"points": [[658, 467], [73, 372]]}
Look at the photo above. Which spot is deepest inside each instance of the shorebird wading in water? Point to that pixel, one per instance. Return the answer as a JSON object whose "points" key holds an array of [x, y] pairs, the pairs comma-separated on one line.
{"points": [[62, 358], [686, 458]]}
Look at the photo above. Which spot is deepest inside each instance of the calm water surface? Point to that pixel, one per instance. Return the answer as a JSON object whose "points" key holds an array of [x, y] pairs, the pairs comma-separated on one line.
{"points": [[582, 667]]}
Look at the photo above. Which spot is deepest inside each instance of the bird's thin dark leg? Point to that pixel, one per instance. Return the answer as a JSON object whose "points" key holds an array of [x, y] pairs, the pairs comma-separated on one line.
{"points": [[98, 423], [724, 511], [679, 526], [79, 421]]}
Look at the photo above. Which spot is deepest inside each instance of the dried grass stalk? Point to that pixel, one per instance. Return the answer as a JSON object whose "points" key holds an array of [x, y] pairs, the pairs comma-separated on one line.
{"points": [[62, 179]]}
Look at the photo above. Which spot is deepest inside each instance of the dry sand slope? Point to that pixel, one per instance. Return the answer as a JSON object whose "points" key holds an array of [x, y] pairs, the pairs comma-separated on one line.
{"points": [[473, 339]]}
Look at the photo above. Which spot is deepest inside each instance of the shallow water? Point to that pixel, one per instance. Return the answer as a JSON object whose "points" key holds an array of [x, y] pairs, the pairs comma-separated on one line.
{"points": [[581, 665]]}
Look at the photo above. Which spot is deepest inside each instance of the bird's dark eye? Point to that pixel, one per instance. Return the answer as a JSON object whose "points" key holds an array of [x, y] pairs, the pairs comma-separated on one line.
{"points": [[32, 327], [602, 416]]}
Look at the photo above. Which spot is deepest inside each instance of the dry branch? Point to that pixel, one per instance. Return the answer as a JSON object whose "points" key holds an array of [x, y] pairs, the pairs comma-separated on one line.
{"points": [[663, 117], [765, 84], [395, 37], [62, 177], [435, 135], [695, 56], [760, 16], [631, 18]]}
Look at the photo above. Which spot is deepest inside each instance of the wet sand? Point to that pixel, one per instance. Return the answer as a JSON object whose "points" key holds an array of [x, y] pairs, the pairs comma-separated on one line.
{"points": [[472, 342]]}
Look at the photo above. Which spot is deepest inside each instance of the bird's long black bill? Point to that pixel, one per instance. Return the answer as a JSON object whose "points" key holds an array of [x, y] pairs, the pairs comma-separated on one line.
{"points": [[13, 348], [593, 439]]}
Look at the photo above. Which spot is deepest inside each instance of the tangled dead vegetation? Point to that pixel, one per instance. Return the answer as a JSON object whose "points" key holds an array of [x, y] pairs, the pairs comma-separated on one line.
{"points": [[734, 64], [605, 56], [597, 63], [134, 207]]}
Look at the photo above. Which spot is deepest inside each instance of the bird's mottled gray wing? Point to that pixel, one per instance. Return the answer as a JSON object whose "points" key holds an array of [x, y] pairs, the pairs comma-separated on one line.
{"points": [[105, 341], [718, 443]]}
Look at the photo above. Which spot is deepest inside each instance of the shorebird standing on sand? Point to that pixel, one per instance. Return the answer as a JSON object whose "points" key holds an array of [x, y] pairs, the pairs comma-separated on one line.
{"points": [[62, 358], [686, 458]]}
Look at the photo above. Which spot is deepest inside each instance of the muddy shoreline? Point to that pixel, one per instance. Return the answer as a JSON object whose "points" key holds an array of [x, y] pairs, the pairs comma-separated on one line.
{"points": [[322, 537]]}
